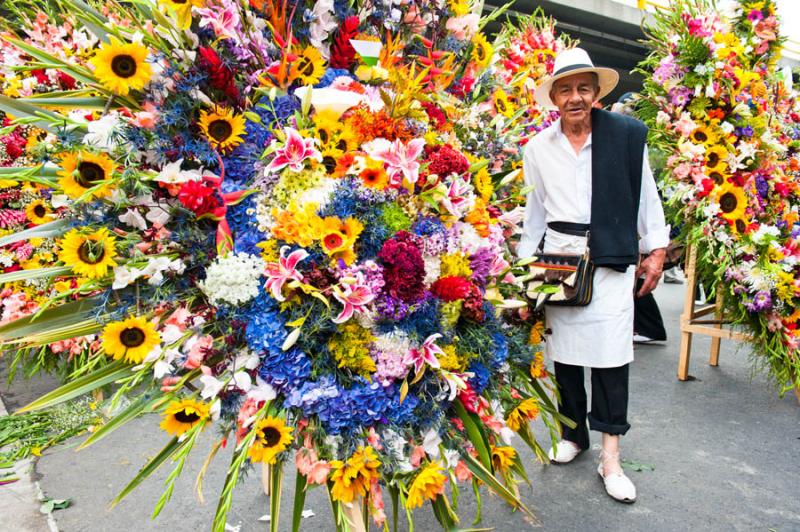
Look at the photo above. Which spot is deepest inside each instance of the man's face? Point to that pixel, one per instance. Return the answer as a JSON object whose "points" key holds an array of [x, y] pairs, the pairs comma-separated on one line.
{"points": [[574, 95]]}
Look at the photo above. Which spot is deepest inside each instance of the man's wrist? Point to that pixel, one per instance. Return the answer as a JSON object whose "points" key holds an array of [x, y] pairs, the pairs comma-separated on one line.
{"points": [[658, 252]]}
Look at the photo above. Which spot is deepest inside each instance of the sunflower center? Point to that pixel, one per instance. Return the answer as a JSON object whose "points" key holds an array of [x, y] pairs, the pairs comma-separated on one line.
{"points": [[323, 136], [306, 67], [713, 159], [39, 210], [186, 417], [89, 173], [716, 177], [91, 252], [342, 145], [741, 226], [220, 130], [728, 202], [329, 162], [501, 105], [270, 436], [700, 136], [123, 66], [132, 337]]}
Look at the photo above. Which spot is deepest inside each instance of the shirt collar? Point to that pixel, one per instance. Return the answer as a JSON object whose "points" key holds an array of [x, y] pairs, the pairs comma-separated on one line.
{"points": [[560, 136]]}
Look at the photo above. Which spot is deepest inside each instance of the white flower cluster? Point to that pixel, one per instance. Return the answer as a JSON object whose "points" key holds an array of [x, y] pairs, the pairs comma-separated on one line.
{"points": [[154, 271], [234, 278]]}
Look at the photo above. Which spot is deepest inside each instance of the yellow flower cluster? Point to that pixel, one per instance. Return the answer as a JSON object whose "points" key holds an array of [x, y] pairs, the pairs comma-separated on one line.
{"points": [[427, 485], [503, 457], [452, 360], [478, 217], [352, 478], [538, 371], [455, 264], [350, 348], [302, 226], [525, 411], [483, 184]]}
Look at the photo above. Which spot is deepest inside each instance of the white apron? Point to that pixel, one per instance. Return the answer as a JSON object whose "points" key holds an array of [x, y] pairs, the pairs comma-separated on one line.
{"points": [[599, 335]]}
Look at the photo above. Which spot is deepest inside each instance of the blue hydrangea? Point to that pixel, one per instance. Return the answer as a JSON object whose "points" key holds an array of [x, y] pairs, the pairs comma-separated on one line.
{"points": [[481, 376]]}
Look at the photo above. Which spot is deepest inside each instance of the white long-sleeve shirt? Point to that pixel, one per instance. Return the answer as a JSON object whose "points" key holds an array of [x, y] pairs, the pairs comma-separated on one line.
{"points": [[599, 335], [562, 191]]}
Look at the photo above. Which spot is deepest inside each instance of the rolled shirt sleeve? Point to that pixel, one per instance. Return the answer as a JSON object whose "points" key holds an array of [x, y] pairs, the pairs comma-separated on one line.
{"points": [[653, 229], [534, 225]]}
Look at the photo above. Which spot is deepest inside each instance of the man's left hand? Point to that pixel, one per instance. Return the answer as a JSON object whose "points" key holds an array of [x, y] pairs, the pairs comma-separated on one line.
{"points": [[651, 268]]}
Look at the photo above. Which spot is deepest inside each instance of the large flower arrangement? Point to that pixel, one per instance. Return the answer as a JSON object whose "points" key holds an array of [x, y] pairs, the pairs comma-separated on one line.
{"points": [[282, 223], [716, 107]]}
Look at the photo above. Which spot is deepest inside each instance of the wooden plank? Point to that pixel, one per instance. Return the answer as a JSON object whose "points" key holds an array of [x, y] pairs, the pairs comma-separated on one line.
{"points": [[714, 332], [713, 358], [687, 314]]}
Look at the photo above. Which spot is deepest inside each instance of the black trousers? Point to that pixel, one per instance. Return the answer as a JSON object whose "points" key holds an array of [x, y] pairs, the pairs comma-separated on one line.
{"points": [[609, 401], [647, 319]]}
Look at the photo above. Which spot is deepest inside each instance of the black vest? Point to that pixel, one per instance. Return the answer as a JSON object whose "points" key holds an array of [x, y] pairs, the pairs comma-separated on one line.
{"points": [[617, 149]]}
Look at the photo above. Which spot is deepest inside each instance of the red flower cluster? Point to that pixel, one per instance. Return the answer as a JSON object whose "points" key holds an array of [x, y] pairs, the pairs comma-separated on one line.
{"points": [[14, 146], [472, 308], [343, 55], [220, 77], [472, 402], [444, 160], [451, 288], [10, 217], [436, 115], [197, 197], [404, 268], [462, 86]]}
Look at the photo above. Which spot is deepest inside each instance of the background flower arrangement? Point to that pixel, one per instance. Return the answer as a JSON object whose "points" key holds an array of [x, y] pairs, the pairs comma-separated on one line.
{"points": [[727, 122], [285, 219]]}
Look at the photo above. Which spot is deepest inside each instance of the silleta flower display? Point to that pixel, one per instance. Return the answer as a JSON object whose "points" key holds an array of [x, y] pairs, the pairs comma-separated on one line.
{"points": [[285, 219]]}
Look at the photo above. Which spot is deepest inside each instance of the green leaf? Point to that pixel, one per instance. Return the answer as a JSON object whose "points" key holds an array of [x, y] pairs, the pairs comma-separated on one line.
{"points": [[42, 118], [276, 478], [142, 404], [37, 273], [87, 102], [475, 434], [54, 228], [48, 320], [54, 504], [637, 466], [106, 375], [149, 468], [485, 476], [300, 485]]}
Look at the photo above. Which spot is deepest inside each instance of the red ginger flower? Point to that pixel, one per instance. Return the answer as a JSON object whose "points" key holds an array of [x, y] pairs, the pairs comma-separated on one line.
{"points": [[343, 54], [197, 197], [220, 77]]}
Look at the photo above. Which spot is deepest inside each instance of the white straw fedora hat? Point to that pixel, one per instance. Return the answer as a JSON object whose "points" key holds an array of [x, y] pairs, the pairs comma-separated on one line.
{"points": [[571, 62]]}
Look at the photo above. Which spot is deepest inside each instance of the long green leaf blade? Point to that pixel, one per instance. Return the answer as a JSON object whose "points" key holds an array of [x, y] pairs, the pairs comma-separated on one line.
{"points": [[37, 273], [142, 404], [149, 468], [54, 228]]}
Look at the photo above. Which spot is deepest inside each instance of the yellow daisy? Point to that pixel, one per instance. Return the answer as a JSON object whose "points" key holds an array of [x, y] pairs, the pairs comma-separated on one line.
{"points": [[308, 68], [83, 170], [38, 212], [731, 199], [482, 51], [89, 254], [503, 457], [501, 104], [131, 339], [222, 127], [121, 68], [272, 438], [180, 416], [427, 485]]}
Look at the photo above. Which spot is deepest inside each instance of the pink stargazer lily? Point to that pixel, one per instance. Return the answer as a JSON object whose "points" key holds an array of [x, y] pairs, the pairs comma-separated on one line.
{"points": [[355, 295], [279, 273], [426, 354], [401, 160], [457, 201], [294, 152]]}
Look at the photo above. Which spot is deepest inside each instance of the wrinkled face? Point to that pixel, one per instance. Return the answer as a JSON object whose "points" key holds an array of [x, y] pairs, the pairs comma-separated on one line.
{"points": [[574, 96]]}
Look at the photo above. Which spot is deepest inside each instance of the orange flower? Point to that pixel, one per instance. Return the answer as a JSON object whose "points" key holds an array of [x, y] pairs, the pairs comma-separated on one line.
{"points": [[374, 175]]}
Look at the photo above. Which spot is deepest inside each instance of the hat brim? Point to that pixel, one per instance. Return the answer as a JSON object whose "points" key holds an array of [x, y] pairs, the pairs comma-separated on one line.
{"points": [[608, 78]]}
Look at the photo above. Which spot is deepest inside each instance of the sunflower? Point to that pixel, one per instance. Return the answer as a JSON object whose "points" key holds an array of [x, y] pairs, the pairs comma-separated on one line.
{"points": [[525, 411], [131, 339], [374, 175], [222, 127], [330, 159], [182, 10], [272, 438], [538, 369], [427, 485], [180, 416], [716, 158], [38, 212], [308, 68], [703, 134], [481, 51], [346, 140], [121, 68], [503, 457], [89, 255], [501, 103], [326, 127], [718, 176], [731, 199], [352, 478], [83, 170], [739, 226]]}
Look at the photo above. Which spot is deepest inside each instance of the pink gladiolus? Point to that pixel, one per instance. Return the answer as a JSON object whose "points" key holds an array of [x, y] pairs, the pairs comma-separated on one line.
{"points": [[425, 354], [401, 160], [294, 152], [308, 463], [278, 273], [355, 296]]}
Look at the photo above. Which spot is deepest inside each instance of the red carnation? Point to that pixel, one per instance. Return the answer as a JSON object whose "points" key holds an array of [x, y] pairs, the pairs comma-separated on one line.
{"points": [[197, 197], [343, 54], [220, 77], [451, 288]]}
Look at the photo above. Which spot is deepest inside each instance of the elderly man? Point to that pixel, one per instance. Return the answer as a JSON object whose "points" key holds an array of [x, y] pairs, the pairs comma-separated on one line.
{"points": [[589, 172]]}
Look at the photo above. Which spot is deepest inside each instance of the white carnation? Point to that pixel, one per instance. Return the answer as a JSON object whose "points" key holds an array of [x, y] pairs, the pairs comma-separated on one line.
{"points": [[234, 278]]}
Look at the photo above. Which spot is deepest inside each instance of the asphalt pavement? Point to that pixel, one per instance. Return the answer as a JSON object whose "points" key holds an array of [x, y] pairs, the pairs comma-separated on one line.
{"points": [[720, 452]]}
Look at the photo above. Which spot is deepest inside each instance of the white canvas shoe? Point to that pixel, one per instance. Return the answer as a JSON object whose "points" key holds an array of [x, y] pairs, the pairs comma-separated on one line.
{"points": [[564, 452], [618, 486]]}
